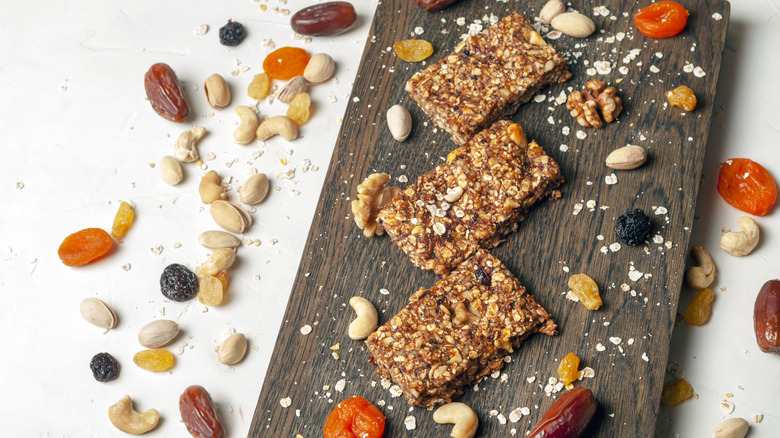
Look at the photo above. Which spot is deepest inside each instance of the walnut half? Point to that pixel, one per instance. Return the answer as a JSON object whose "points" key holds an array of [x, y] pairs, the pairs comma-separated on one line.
{"points": [[597, 102], [372, 196]]}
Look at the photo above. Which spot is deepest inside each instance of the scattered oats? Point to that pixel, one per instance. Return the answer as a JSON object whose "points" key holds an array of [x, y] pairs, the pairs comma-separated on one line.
{"points": [[630, 341], [335, 355], [603, 67], [699, 72], [726, 406], [615, 340], [419, 30], [611, 179], [757, 418], [157, 250], [600, 10], [560, 100], [577, 209], [410, 422], [305, 330], [256, 277], [403, 179], [201, 30], [564, 148], [620, 36], [604, 250], [658, 239], [493, 413], [126, 267], [460, 21], [581, 134], [531, 379], [356, 99], [548, 389], [599, 237], [645, 358], [515, 415], [340, 385], [565, 130], [551, 120], [554, 35], [623, 70], [688, 68], [588, 373], [285, 402], [395, 391], [501, 418], [717, 17], [176, 245], [384, 291], [591, 204], [606, 323], [570, 296], [591, 71], [439, 228], [600, 347], [540, 98], [634, 275], [654, 69]]}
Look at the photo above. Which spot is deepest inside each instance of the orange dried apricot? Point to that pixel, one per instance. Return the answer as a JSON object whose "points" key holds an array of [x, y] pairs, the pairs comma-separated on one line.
{"points": [[567, 370], [122, 221], [413, 50], [155, 360], [661, 20], [354, 417], [700, 309], [675, 392], [285, 63], [682, 97], [84, 246], [747, 186]]}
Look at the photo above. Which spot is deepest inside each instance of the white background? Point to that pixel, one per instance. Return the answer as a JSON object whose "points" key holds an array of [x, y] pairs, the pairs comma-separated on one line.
{"points": [[77, 137]]}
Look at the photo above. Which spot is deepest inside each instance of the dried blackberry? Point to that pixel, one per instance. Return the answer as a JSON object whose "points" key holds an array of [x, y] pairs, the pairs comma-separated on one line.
{"points": [[633, 227], [178, 283], [104, 367], [232, 33]]}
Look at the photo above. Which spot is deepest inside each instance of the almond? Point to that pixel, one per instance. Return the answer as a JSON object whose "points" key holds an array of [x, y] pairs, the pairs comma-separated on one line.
{"points": [[233, 349], [551, 9], [170, 170], [731, 428], [399, 121], [573, 24], [158, 334], [627, 158]]}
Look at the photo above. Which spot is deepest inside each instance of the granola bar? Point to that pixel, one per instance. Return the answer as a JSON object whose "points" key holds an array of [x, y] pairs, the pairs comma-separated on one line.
{"points": [[487, 77], [473, 200], [459, 330]]}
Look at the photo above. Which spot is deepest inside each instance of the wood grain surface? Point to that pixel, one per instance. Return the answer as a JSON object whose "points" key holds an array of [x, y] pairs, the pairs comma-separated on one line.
{"points": [[552, 244]]}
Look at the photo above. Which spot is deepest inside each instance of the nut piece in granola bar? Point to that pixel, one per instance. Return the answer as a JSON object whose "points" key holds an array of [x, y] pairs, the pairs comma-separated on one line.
{"points": [[588, 107], [372, 195], [475, 199], [457, 331], [487, 77]]}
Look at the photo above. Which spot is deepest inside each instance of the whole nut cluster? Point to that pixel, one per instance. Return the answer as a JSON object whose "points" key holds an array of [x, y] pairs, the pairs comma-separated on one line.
{"points": [[372, 196], [596, 102]]}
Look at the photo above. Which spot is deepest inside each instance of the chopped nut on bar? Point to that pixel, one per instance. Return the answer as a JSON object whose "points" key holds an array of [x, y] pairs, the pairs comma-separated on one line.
{"points": [[485, 188], [457, 331], [487, 77]]}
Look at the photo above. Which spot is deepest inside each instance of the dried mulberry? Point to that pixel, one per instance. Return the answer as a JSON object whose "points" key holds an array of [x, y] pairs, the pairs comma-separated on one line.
{"points": [[178, 283], [104, 367], [232, 33], [633, 227]]}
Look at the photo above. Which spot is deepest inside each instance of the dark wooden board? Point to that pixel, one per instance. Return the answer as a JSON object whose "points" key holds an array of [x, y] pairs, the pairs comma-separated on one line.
{"points": [[338, 262]]}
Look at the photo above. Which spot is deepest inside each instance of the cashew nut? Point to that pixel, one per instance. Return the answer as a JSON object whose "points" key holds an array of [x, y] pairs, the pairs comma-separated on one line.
{"points": [[740, 243], [281, 125], [185, 150], [464, 419], [365, 322], [245, 132], [126, 419], [703, 274]]}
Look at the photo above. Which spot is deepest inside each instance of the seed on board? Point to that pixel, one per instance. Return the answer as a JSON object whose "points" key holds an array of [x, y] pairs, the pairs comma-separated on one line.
{"points": [[627, 158], [399, 121]]}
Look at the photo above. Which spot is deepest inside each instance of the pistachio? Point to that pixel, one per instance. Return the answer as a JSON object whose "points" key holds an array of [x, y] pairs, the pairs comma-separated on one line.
{"points": [[227, 216], [296, 86], [158, 334], [627, 158], [170, 170], [254, 190], [550, 10], [731, 428], [218, 239], [97, 312], [244, 215], [573, 24], [209, 188], [399, 121], [217, 91], [319, 69], [233, 349], [185, 149]]}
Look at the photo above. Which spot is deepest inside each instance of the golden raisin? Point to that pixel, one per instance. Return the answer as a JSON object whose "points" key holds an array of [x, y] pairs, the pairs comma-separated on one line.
{"points": [[84, 246], [223, 278], [211, 291], [586, 290], [299, 110], [154, 360], [700, 309], [682, 97], [259, 87], [122, 221], [286, 63], [567, 370], [675, 392], [413, 50]]}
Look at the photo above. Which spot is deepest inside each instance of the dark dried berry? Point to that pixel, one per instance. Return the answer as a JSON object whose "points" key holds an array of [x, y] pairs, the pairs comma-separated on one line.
{"points": [[178, 283], [232, 33], [104, 367], [633, 227], [483, 277]]}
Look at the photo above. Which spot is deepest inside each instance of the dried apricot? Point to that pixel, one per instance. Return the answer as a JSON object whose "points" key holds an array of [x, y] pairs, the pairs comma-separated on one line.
{"points": [[300, 109], [682, 97], [661, 20], [700, 309], [568, 369], [286, 63], [84, 246], [747, 186], [354, 417], [413, 50], [675, 392], [122, 221], [586, 290], [155, 360]]}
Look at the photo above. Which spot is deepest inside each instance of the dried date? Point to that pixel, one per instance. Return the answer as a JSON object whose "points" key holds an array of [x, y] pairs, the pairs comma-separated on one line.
{"points": [[198, 413], [766, 317], [568, 417], [165, 94], [330, 18], [434, 5]]}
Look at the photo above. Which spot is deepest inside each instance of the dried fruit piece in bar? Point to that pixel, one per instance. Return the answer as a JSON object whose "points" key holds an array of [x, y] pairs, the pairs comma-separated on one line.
{"points": [[165, 94], [477, 197], [84, 246], [487, 77], [457, 331]]}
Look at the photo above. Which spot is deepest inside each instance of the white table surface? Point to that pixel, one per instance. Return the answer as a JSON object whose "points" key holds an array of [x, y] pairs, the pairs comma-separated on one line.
{"points": [[78, 137]]}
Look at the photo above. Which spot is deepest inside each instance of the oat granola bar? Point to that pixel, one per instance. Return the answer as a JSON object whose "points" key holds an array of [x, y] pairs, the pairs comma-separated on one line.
{"points": [[487, 77], [457, 331], [473, 200]]}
